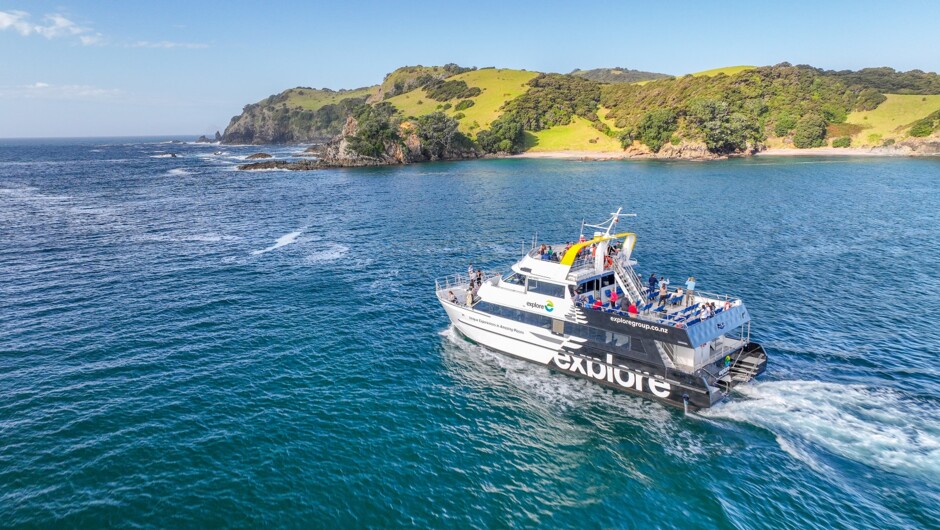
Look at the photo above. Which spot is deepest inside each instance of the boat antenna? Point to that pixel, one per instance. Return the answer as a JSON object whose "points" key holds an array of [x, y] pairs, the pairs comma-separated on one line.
{"points": [[608, 225]]}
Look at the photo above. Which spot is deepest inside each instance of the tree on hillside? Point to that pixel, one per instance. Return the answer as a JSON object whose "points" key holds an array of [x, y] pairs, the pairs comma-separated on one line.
{"points": [[723, 131], [810, 131], [438, 133], [656, 127], [503, 136], [375, 126]]}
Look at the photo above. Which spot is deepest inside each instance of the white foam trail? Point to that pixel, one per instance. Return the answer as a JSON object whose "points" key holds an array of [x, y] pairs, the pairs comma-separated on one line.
{"points": [[165, 155], [178, 172], [877, 427], [282, 241], [332, 252]]}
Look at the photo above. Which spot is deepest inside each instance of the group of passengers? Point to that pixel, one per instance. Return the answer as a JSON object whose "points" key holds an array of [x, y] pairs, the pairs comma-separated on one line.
{"points": [[546, 252], [686, 297]]}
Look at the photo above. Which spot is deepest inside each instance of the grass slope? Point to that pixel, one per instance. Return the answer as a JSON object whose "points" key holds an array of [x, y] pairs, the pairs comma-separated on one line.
{"points": [[498, 85], [727, 70], [576, 136], [313, 99], [892, 118]]}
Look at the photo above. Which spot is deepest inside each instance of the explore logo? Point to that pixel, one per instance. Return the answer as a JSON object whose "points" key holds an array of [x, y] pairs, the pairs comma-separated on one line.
{"points": [[549, 305], [606, 371]]}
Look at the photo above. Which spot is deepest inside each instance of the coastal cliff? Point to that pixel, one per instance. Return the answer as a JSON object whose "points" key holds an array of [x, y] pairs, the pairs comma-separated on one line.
{"points": [[413, 141]]}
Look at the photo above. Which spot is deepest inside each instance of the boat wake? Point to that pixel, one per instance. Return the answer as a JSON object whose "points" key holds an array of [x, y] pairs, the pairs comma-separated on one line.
{"points": [[282, 241], [878, 427]]}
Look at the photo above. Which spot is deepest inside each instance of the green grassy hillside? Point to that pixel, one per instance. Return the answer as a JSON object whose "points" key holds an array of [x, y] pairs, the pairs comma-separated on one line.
{"points": [[314, 99], [498, 86], [892, 118], [727, 70], [579, 135], [404, 79]]}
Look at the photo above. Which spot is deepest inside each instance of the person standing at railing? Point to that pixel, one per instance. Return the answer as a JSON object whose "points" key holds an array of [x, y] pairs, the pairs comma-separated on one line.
{"points": [[469, 298], [470, 271], [690, 290], [453, 297]]}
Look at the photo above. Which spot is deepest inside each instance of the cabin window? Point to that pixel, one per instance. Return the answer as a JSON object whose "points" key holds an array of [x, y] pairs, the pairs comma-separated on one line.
{"points": [[588, 286], [517, 315], [515, 279], [546, 288], [607, 280]]}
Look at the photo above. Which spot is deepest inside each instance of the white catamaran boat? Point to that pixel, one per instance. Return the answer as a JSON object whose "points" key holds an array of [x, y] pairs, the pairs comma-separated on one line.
{"points": [[585, 312]]}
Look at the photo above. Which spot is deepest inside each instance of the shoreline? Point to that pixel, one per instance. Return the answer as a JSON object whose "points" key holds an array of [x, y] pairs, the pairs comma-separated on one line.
{"points": [[777, 151]]}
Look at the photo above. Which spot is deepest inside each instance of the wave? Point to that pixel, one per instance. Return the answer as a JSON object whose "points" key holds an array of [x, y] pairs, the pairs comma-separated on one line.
{"points": [[178, 172], [873, 426], [332, 252], [165, 155], [282, 241]]}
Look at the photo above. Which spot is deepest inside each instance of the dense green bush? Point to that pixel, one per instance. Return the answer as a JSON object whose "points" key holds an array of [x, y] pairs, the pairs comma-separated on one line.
{"points": [[869, 99], [723, 131], [554, 99], [464, 104], [810, 131], [376, 126], [454, 89], [656, 127], [921, 128], [926, 126], [784, 123], [438, 133], [504, 135], [626, 138], [842, 141]]}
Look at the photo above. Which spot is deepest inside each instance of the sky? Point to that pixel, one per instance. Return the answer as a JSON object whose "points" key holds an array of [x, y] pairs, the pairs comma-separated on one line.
{"points": [[125, 68]]}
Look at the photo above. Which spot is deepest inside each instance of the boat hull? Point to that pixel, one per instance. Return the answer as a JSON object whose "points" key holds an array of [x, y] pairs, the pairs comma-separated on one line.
{"points": [[572, 357]]}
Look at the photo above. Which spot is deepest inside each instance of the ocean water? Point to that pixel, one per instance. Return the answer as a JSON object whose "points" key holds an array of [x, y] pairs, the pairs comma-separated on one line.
{"points": [[186, 345]]}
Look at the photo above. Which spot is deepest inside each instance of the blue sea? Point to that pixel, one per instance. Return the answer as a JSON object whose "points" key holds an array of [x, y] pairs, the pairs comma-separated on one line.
{"points": [[185, 345]]}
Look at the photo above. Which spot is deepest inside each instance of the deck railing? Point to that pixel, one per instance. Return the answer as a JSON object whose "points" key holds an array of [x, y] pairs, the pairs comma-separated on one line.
{"points": [[460, 281]]}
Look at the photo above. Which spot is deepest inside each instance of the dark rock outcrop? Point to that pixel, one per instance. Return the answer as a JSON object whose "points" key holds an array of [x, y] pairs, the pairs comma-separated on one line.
{"points": [[300, 165], [258, 156]]}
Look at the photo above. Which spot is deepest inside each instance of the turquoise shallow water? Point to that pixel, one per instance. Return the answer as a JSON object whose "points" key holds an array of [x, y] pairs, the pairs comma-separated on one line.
{"points": [[184, 345]]}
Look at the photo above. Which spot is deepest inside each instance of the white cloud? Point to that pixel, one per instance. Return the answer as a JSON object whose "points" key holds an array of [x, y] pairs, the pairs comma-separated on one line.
{"points": [[53, 26], [41, 90], [165, 44]]}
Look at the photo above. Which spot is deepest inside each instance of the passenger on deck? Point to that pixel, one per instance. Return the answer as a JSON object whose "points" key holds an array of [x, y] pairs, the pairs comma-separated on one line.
{"points": [[653, 281], [663, 279], [613, 298], [542, 250], [632, 310], [663, 293], [597, 303], [680, 294], [479, 277], [453, 297], [469, 298], [470, 270], [690, 290], [579, 299]]}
